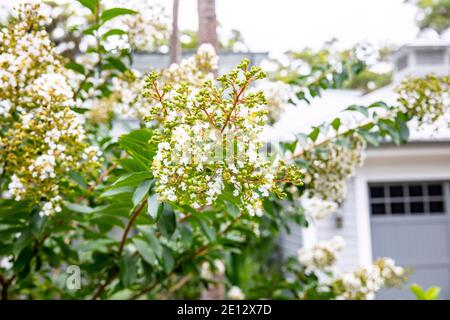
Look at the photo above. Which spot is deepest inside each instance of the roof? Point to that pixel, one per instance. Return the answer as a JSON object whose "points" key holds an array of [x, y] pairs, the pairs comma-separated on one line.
{"points": [[332, 104]]}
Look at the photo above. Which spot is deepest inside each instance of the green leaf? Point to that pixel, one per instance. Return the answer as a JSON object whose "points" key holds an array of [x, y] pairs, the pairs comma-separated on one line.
{"points": [[314, 134], [336, 123], [141, 191], [186, 235], [115, 12], [23, 259], [128, 270], [117, 64], [370, 137], [131, 165], [360, 109], [379, 104], [90, 4], [113, 32], [75, 67], [417, 291], [145, 251], [168, 260], [137, 145], [403, 130], [132, 179], [207, 230], [432, 293], [116, 191], [153, 206], [75, 207], [154, 243], [167, 222], [24, 240], [78, 178], [91, 30]]}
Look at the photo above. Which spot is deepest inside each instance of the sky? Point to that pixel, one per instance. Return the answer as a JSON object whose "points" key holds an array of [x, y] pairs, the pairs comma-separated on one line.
{"points": [[280, 25]]}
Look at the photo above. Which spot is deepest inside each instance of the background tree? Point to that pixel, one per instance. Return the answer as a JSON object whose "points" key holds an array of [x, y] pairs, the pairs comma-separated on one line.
{"points": [[207, 23], [175, 45], [433, 14]]}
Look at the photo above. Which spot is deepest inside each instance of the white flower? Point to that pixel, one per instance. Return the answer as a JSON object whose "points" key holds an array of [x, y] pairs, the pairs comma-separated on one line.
{"points": [[6, 263], [16, 188], [317, 208], [322, 256], [5, 106], [235, 293]]}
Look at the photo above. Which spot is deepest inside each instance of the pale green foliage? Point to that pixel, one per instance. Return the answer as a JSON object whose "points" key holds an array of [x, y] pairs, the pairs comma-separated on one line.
{"points": [[431, 293]]}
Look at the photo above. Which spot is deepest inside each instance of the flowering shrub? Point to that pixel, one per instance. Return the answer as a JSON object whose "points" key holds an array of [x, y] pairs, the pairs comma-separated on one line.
{"points": [[43, 138], [188, 199]]}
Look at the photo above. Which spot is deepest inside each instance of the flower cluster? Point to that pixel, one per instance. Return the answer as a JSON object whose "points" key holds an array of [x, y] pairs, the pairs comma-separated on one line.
{"points": [[209, 141], [194, 70], [277, 96], [146, 29], [322, 256], [317, 208], [427, 99], [126, 99], [41, 139], [330, 167], [363, 283]]}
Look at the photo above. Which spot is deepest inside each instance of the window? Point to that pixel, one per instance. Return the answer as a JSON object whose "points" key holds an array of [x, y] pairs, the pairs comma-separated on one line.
{"points": [[408, 198], [430, 57]]}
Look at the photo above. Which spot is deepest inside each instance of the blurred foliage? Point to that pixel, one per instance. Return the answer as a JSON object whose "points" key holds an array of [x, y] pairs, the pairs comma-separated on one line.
{"points": [[431, 293], [433, 14]]}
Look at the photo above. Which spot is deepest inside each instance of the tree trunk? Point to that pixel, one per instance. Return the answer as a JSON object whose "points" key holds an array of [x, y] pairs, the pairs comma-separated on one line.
{"points": [[207, 23], [175, 46]]}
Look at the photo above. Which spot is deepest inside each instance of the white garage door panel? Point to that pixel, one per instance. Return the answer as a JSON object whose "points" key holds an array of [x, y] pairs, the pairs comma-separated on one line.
{"points": [[410, 243], [418, 240]]}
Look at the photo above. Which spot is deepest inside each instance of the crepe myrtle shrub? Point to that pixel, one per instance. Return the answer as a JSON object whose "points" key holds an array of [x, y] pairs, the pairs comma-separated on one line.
{"points": [[184, 202]]}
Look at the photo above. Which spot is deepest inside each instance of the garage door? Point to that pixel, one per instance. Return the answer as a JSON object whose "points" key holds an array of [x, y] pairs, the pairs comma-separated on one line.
{"points": [[410, 222]]}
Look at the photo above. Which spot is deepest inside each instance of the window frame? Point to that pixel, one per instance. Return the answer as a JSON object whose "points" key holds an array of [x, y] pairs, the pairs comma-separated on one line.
{"points": [[425, 199]]}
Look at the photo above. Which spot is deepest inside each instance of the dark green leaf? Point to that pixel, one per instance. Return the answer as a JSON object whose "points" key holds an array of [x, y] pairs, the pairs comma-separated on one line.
{"points": [[132, 179], [128, 270], [75, 67], [78, 178], [167, 222], [154, 243], [168, 260], [141, 191], [116, 191], [145, 251]]}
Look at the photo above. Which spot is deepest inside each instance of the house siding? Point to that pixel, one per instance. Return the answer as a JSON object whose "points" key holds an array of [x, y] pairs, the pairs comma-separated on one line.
{"points": [[326, 230]]}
